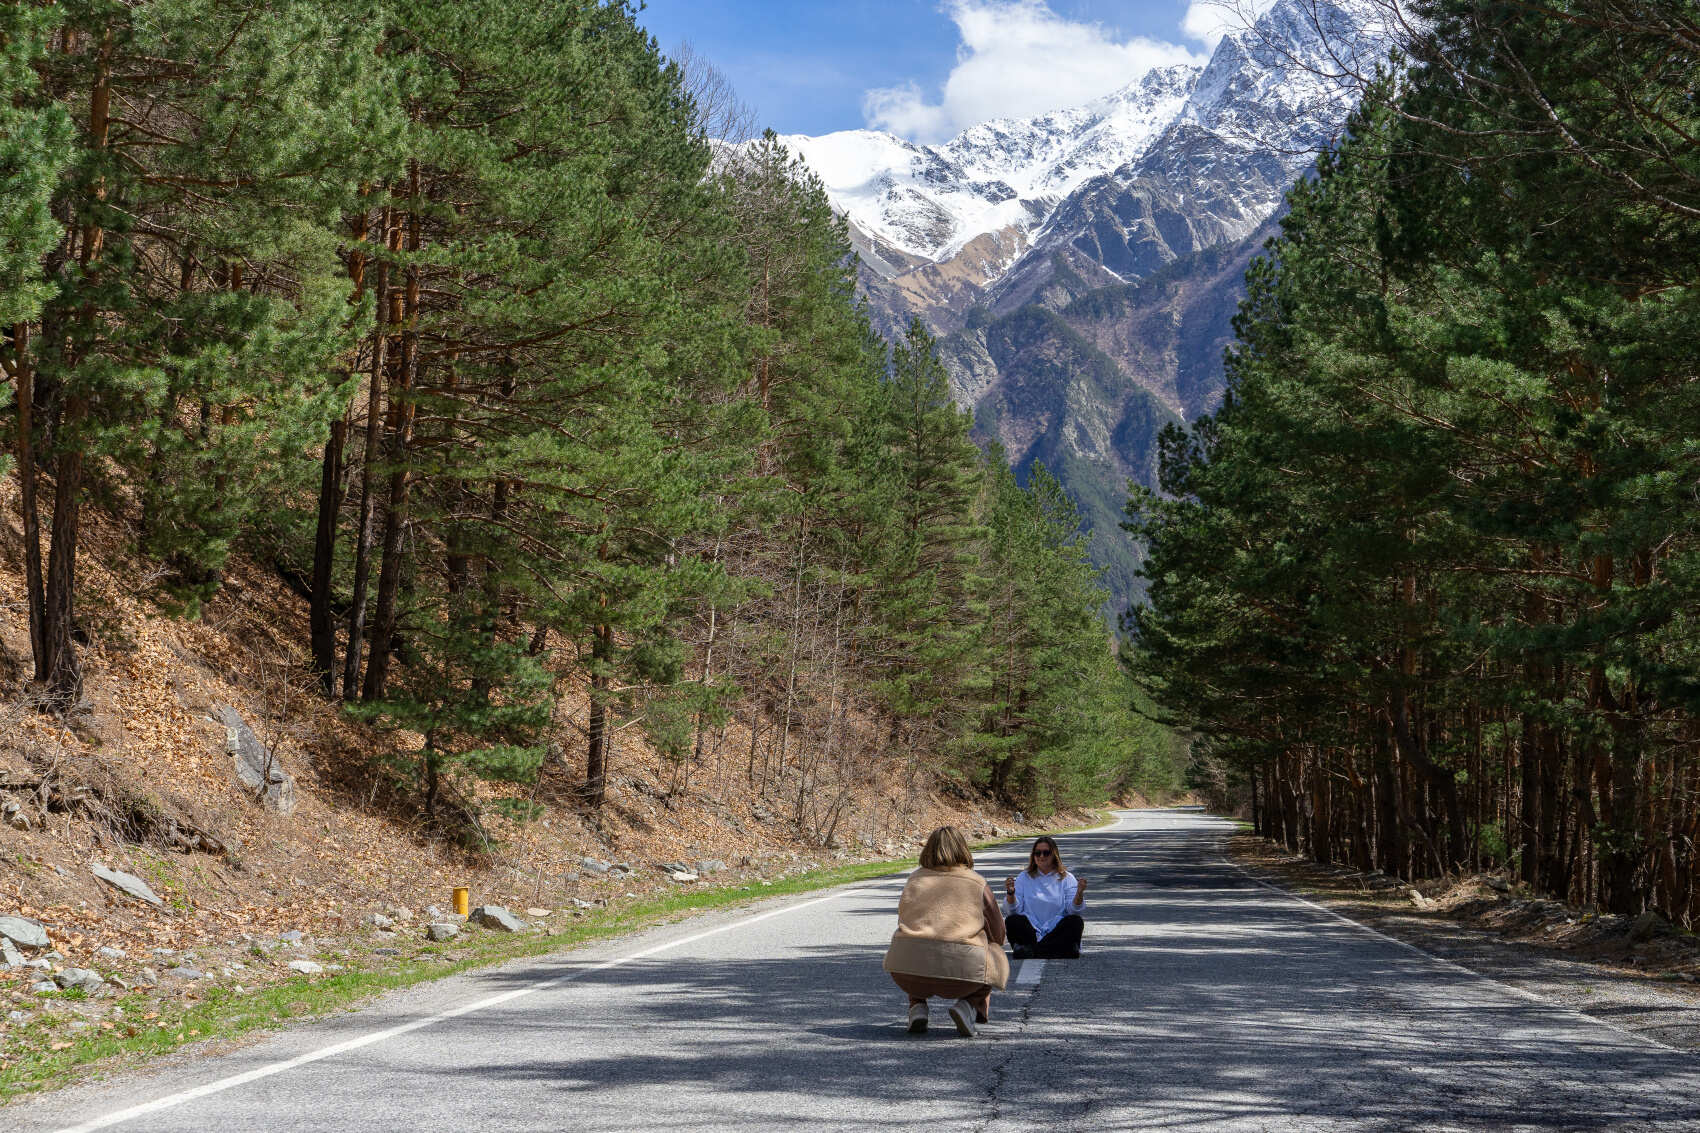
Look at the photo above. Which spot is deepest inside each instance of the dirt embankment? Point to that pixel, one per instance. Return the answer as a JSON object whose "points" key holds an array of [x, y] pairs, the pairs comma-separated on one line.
{"points": [[141, 778]]}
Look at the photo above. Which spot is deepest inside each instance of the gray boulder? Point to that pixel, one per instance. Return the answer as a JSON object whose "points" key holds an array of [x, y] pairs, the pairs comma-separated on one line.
{"points": [[9, 954], [442, 930], [305, 967], [379, 921], [710, 865], [595, 865], [42, 987], [24, 932], [257, 768], [293, 936], [112, 953], [496, 917], [184, 972], [683, 876], [127, 883], [83, 979], [1645, 926]]}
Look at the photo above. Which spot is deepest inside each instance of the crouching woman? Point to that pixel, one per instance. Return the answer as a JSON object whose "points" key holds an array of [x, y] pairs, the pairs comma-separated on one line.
{"points": [[950, 935]]}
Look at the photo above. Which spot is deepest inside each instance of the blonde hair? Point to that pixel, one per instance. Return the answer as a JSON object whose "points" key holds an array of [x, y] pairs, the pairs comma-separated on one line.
{"points": [[946, 848], [1056, 856]]}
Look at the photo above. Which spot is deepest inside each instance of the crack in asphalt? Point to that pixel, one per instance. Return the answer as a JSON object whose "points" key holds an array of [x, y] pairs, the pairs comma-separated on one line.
{"points": [[1000, 1072]]}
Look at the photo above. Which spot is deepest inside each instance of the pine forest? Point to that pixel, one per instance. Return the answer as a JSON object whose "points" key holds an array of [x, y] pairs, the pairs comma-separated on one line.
{"points": [[460, 320], [1427, 585]]}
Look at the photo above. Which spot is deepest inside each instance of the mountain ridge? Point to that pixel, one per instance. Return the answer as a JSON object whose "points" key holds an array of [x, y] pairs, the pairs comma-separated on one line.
{"points": [[1172, 184]]}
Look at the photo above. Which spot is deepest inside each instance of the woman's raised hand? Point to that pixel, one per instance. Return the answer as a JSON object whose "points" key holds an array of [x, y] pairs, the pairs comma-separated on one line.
{"points": [[1079, 889], [1009, 890]]}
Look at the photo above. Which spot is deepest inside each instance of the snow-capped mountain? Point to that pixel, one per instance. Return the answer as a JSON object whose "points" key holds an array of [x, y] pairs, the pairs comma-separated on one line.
{"points": [[1082, 269], [1183, 159], [930, 201], [1270, 98]]}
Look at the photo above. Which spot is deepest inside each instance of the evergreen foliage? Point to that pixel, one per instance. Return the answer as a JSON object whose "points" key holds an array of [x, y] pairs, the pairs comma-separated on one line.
{"points": [[563, 419], [1426, 580]]}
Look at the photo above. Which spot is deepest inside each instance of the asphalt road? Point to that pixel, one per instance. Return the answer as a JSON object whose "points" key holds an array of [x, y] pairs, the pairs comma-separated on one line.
{"points": [[1204, 1001]]}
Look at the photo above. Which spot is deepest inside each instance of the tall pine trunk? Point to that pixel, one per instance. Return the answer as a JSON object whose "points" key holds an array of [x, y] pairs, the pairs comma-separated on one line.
{"points": [[596, 752], [401, 429], [58, 666], [368, 465], [321, 620], [27, 480]]}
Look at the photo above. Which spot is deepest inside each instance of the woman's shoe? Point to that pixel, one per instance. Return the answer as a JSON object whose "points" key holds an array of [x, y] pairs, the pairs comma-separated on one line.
{"points": [[917, 1018], [962, 1014]]}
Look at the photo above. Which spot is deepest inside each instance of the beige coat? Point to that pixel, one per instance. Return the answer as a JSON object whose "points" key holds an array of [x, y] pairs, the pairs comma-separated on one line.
{"points": [[941, 929]]}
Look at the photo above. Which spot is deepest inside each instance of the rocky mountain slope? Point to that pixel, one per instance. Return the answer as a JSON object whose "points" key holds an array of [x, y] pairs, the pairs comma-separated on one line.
{"points": [[1083, 267]]}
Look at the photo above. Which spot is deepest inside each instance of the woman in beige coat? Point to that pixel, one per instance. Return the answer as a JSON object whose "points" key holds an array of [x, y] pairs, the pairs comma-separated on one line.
{"points": [[950, 934]]}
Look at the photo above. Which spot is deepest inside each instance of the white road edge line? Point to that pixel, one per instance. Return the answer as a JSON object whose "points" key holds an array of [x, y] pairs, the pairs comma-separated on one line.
{"points": [[172, 1100], [1031, 972], [1521, 993]]}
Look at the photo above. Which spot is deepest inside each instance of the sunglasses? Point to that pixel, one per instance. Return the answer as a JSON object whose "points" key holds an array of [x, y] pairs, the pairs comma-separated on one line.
{"points": [[1041, 853]]}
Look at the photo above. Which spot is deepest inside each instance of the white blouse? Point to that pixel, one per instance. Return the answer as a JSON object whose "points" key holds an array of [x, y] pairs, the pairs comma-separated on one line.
{"points": [[1044, 900]]}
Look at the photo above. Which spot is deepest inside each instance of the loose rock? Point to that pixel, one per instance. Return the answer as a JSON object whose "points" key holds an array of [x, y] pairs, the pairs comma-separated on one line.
{"points": [[293, 936], [305, 967], [595, 865], [24, 932], [442, 931], [127, 883], [14, 814], [537, 912], [9, 954], [683, 877], [113, 953], [1645, 926], [42, 987], [496, 917], [184, 973], [399, 913], [379, 921], [84, 979]]}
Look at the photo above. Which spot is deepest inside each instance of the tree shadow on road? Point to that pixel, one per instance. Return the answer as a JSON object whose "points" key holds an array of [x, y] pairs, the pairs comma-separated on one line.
{"points": [[1204, 1002]]}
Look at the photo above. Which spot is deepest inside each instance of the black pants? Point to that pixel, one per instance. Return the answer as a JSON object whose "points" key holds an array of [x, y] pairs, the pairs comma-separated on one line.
{"points": [[1061, 943]]}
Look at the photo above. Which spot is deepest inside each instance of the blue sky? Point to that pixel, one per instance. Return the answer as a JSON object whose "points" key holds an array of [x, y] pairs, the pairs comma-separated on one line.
{"points": [[926, 69]]}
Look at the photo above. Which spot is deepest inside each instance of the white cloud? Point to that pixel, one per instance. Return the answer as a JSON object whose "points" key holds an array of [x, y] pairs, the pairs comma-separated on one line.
{"points": [[1017, 59], [1209, 20]]}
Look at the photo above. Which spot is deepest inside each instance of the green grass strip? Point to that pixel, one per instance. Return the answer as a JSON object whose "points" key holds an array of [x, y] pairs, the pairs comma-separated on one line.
{"points": [[222, 1013]]}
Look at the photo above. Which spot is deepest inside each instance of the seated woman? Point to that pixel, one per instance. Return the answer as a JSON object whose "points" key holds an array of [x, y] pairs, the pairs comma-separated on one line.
{"points": [[949, 939], [1042, 906]]}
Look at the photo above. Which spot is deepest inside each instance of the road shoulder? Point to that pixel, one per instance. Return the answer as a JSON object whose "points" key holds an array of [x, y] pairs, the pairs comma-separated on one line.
{"points": [[1562, 956]]}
